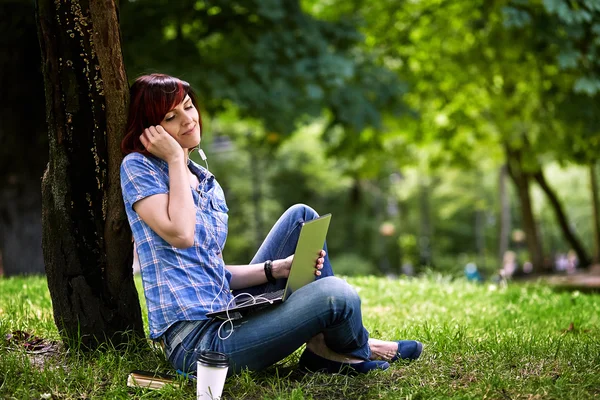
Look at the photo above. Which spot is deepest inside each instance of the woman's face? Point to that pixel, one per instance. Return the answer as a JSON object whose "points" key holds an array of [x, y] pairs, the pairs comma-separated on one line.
{"points": [[183, 124]]}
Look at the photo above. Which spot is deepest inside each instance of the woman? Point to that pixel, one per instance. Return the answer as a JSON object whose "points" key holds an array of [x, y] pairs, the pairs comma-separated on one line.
{"points": [[178, 216]]}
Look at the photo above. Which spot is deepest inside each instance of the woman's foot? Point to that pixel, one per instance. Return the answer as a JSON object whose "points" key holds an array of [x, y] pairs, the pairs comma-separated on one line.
{"points": [[393, 351], [310, 362]]}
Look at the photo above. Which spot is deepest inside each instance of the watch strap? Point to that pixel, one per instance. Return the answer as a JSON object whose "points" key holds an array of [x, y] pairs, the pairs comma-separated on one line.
{"points": [[269, 271]]}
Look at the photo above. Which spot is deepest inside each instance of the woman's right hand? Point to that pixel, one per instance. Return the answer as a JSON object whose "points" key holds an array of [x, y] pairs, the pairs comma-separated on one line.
{"points": [[161, 144]]}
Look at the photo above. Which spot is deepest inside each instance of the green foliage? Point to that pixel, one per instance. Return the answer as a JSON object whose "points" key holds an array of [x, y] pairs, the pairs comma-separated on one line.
{"points": [[571, 29], [565, 36], [350, 264], [275, 62], [480, 341], [304, 171], [409, 247]]}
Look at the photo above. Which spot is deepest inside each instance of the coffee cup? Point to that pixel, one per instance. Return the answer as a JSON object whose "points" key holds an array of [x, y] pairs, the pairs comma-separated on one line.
{"points": [[212, 369]]}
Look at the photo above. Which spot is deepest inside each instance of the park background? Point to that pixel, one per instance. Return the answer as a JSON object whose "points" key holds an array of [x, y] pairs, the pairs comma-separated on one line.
{"points": [[437, 133]]}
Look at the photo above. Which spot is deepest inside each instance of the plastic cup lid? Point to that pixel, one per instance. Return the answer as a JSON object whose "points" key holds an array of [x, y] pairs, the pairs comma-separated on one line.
{"points": [[213, 359]]}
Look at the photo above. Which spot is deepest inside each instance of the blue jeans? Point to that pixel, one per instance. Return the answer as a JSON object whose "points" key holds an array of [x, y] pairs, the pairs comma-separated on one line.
{"points": [[329, 306]]}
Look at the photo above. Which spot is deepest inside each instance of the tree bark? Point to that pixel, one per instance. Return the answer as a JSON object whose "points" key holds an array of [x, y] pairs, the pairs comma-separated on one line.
{"points": [[595, 213], [86, 239], [521, 180], [23, 142], [562, 219], [117, 234]]}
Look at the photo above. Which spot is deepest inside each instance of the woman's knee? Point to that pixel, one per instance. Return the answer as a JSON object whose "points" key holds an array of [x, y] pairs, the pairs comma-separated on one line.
{"points": [[337, 292], [302, 211]]}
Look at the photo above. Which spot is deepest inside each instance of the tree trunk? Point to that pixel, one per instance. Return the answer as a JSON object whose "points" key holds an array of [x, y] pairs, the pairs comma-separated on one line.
{"points": [[562, 219], [480, 237], [23, 142], [355, 198], [595, 213], [521, 180], [426, 229], [480, 242], [257, 171], [86, 238], [504, 234]]}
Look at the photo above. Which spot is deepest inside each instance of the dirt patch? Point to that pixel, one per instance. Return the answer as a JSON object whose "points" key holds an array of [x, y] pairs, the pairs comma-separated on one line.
{"points": [[38, 350]]}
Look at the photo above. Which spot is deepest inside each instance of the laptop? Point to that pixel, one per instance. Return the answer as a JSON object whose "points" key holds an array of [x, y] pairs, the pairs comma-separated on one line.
{"points": [[302, 271]]}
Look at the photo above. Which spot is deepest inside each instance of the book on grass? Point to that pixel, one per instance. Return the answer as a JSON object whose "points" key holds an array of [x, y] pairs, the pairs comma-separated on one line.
{"points": [[152, 380]]}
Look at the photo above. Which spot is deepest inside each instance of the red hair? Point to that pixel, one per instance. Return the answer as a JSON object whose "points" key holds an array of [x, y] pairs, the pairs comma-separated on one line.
{"points": [[151, 97]]}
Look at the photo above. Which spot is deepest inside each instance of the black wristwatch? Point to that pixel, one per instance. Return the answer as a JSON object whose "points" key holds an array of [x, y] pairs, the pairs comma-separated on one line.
{"points": [[269, 271]]}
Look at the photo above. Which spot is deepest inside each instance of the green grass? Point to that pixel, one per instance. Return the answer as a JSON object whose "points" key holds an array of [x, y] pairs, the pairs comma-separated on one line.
{"points": [[480, 342]]}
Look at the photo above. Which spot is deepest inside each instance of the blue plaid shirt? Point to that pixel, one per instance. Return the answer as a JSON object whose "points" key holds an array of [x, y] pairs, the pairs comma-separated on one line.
{"points": [[179, 284]]}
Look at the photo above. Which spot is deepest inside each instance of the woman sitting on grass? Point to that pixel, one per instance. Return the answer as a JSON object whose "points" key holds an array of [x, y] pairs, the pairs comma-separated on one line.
{"points": [[178, 216]]}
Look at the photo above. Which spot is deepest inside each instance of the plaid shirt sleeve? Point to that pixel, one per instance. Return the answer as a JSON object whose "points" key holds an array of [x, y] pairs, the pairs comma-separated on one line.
{"points": [[140, 178]]}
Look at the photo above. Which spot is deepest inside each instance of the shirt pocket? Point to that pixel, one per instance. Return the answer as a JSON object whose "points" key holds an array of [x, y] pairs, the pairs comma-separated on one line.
{"points": [[219, 209]]}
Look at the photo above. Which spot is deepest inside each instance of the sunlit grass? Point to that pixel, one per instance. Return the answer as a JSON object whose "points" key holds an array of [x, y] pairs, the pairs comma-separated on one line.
{"points": [[481, 341], [25, 305]]}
